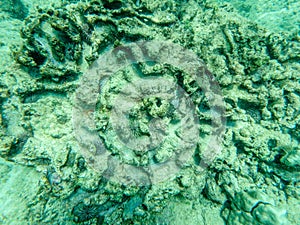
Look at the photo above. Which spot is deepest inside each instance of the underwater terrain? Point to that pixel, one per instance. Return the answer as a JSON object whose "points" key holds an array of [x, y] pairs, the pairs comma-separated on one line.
{"points": [[150, 112]]}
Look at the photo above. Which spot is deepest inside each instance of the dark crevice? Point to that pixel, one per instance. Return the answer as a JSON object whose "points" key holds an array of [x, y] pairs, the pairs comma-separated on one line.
{"points": [[35, 96]]}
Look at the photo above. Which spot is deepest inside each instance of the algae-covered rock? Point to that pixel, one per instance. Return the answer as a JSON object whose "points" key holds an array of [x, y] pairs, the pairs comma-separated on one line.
{"points": [[248, 200], [15, 8], [255, 207], [292, 158], [268, 214], [58, 43], [258, 72]]}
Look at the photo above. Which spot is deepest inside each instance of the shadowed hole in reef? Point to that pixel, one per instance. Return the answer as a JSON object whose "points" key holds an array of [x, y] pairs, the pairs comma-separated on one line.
{"points": [[38, 58], [251, 108], [112, 5], [18, 145], [35, 96]]}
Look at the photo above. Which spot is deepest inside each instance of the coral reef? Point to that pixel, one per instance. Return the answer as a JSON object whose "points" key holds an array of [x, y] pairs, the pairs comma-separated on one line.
{"points": [[254, 180]]}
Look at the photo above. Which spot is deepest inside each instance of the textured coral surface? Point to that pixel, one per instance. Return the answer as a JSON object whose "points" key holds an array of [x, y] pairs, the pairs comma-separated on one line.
{"points": [[253, 180]]}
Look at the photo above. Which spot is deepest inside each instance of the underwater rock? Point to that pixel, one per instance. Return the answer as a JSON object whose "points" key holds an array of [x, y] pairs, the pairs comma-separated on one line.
{"points": [[131, 205], [15, 8], [214, 192], [268, 214], [292, 158], [257, 71], [248, 200], [255, 207]]}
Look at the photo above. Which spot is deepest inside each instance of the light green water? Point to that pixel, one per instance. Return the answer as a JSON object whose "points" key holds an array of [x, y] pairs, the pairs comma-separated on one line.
{"points": [[149, 112]]}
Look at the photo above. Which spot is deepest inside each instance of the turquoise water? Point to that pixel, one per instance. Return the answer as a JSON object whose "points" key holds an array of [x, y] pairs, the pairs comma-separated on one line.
{"points": [[149, 112]]}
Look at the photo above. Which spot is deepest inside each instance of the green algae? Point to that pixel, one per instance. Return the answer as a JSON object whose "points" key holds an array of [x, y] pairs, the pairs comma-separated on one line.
{"points": [[258, 72]]}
